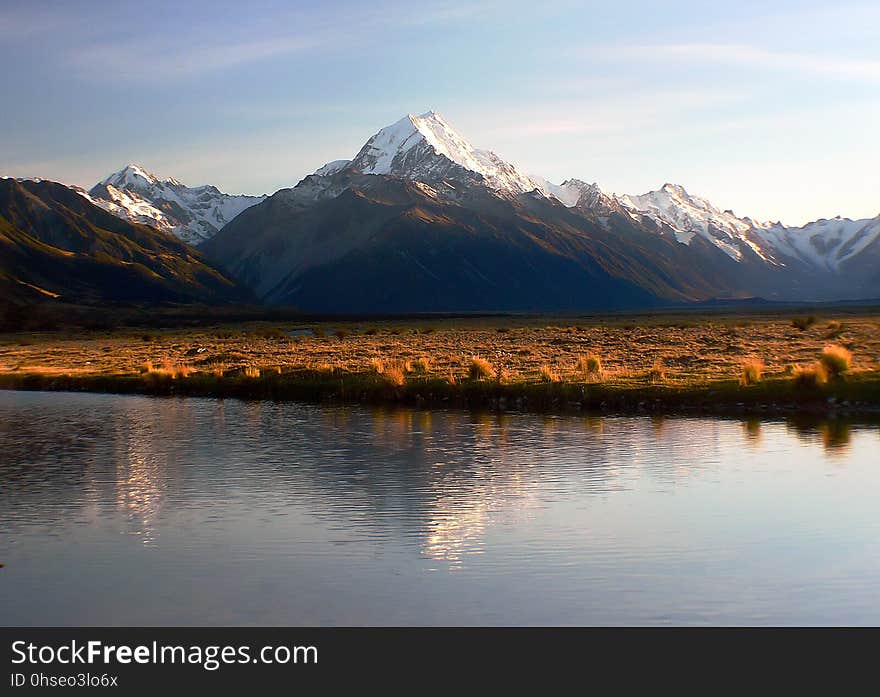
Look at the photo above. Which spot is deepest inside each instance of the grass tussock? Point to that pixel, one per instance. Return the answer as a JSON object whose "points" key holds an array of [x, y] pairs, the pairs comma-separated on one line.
{"points": [[836, 360], [589, 365], [168, 369], [834, 331], [480, 369], [803, 323], [752, 372], [422, 366], [810, 376], [395, 374], [657, 373], [547, 374], [251, 371]]}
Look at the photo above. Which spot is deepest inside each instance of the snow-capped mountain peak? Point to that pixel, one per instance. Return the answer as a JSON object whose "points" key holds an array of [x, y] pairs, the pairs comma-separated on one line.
{"points": [[426, 148], [332, 168], [134, 176], [193, 214]]}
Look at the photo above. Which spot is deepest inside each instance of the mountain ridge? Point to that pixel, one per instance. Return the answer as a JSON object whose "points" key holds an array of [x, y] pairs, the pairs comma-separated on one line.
{"points": [[193, 214], [57, 245], [420, 217], [417, 176]]}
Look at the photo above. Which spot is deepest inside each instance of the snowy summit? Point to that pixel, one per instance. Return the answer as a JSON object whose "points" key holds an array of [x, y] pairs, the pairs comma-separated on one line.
{"points": [[194, 214]]}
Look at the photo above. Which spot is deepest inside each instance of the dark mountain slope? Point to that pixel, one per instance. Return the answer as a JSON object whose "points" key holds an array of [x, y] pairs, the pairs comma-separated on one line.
{"points": [[388, 245], [56, 244]]}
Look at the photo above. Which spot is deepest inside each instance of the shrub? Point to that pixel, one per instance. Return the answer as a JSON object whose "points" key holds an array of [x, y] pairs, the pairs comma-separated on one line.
{"points": [[752, 371], [480, 368], [547, 374], [803, 323], [836, 360]]}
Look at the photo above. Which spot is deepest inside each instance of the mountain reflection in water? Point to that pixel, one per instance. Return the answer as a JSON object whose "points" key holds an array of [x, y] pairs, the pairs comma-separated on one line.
{"points": [[117, 510]]}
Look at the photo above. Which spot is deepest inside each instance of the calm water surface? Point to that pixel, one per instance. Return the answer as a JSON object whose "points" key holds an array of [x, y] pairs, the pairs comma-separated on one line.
{"points": [[119, 510]]}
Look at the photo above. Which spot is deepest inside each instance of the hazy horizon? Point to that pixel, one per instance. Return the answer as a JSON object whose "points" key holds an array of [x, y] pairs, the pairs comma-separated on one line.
{"points": [[768, 112]]}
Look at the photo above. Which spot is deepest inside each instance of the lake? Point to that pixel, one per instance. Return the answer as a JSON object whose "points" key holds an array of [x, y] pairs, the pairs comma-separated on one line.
{"points": [[128, 510]]}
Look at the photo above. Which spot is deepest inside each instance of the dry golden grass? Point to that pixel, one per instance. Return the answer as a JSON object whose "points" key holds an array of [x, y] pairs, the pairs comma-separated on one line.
{"points": [[752, 371], [657, 373], [589, 366], [395, 374], [547, 374], [835, 330], [675, 350], [812, 375], [168, 369], [836, 360], [480, 369], [423, 366]]}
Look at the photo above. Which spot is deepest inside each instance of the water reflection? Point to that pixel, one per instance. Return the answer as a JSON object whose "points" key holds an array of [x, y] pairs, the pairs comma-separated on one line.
{"points": [[752, 431], [301, 489], [835, 434], [440, 477]]}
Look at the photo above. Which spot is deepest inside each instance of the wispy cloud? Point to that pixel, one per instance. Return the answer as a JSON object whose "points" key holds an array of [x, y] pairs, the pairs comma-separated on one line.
{"points": [[157, 60], [809, 64]]}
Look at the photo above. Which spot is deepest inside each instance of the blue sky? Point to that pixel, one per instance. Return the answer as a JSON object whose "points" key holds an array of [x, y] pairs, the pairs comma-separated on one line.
{"points": [[772, 111]]}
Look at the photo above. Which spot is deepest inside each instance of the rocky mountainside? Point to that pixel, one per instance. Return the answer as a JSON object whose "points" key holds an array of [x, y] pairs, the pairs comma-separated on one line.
{"points": [[55, 244], [193, 214]]}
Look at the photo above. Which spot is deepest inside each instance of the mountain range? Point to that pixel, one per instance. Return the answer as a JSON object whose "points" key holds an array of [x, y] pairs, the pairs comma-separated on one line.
{"points": [[420, 220]]}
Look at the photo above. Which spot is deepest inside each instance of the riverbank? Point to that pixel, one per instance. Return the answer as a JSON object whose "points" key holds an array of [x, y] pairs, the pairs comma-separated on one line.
{"points": [[735, 363], [856, 395]]}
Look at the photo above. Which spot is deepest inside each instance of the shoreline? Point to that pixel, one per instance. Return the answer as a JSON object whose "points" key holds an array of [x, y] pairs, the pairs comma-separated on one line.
{"points": [[856, 395]]}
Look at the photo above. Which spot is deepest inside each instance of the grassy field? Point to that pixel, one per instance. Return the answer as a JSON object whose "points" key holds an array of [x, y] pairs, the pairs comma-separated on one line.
{"points": [[708, 362]]}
